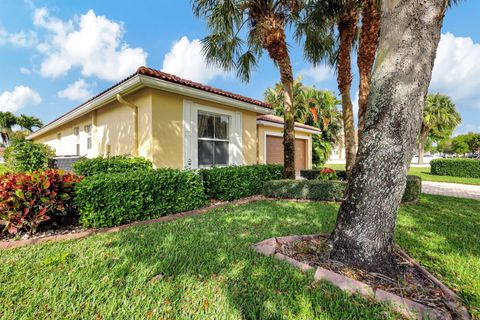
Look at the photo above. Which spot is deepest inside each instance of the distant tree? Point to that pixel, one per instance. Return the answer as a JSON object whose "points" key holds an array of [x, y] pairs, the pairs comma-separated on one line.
{"points": [[466, 143], [7, 121], [29, 122], [440, 118], [317, 108]]}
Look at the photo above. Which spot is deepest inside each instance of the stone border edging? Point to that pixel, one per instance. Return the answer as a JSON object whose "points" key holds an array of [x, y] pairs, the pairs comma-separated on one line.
{"points": [[82, 234], [406, 307]]}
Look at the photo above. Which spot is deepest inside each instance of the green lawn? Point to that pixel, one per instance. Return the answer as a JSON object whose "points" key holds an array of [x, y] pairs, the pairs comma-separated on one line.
{"points": [[202, 267], [425, 174]]}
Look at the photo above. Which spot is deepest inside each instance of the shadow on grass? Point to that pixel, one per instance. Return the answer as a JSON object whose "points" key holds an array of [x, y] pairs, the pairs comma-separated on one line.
{"points": [[208, 269]]}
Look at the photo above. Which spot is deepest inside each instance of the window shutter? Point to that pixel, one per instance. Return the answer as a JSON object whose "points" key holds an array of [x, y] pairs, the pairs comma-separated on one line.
{"points": [[237, 141], [188, 157]]}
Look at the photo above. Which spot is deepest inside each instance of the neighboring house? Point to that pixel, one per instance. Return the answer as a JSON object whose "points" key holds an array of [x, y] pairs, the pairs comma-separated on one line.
{"points": [[338, 151], [175, 123]]}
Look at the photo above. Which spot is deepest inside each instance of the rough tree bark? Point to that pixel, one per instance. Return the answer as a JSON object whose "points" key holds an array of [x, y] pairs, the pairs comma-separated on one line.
{"points": [[409, 36], [367, 50], [346, 29]]}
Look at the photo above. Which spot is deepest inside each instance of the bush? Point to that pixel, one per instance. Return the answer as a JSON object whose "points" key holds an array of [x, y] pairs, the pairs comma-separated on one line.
{"points": [[27, 156], [115, 164], [105, 200], [235, 182], [413, 189], [467, 168], [328, 190], [306, 189], [313, 174], [27, 200]]}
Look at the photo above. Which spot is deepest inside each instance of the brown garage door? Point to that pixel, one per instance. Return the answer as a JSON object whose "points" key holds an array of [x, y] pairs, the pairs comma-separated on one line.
{"points": [[275, 151]]}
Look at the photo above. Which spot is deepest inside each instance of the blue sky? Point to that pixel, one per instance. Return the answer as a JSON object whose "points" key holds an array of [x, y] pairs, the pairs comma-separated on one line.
{"points": [[55, 54]]}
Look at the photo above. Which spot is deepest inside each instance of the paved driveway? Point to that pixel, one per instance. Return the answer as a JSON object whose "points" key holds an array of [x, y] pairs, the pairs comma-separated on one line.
{"points": [[451, 189]]}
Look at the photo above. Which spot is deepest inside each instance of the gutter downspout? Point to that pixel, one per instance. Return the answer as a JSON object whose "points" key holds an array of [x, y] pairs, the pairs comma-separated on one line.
{"points": [[135, 121]]}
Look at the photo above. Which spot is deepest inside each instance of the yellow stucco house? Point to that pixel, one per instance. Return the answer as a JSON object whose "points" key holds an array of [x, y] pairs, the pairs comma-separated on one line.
{"points": [[175, 123]]}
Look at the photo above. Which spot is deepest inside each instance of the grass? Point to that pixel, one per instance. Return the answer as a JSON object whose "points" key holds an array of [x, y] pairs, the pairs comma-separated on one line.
{"points": [[202, 267], [424, 173]]}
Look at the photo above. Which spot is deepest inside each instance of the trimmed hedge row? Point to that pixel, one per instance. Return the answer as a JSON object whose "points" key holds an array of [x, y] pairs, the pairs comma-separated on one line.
{"points": [[467, 168], [106, 200], [313, 174], [235, 182], [115, 164], [333, 190]]}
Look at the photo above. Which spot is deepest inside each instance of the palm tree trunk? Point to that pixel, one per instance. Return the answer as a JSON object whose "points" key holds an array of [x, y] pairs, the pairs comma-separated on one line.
{"points": [[366, 56], [286, 77], [421, 144], [410, 32], [346, 27]]}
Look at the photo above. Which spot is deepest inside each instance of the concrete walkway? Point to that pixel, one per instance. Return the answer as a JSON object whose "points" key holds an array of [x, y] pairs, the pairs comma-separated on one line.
{"points": [[451, 189]]}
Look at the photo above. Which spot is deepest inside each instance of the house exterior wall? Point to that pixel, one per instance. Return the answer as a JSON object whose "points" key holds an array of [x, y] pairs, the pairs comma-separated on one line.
{"points": [[264, 130], [160, 129]]}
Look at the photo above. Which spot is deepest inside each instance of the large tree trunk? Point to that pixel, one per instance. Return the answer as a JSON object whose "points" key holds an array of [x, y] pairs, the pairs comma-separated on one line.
{"points": [[409, 36], [366, 56], [346, 29], [422, 139]]}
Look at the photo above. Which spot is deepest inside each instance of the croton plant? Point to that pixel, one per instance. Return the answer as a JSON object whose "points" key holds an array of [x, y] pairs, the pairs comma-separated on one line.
{"points": [[28, 199], [327, 174]]}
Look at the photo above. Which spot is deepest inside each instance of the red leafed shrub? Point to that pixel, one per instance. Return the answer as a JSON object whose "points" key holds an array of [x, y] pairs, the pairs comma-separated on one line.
{"points": [[328, 174], [28, 199]]}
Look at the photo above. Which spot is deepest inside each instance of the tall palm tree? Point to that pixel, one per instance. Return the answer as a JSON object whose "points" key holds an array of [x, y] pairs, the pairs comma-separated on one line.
{"points": [[29, 122], [440, 115], [367, 49], [318, 29], [265, 22], [7, 121]]}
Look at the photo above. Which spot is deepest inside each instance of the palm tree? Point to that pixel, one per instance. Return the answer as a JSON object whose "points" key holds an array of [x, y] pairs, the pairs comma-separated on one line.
{"points": [[29, 122], [439, 116], [265, 21], [317, 108], [321, 43], [367, 50], [7, 121]]}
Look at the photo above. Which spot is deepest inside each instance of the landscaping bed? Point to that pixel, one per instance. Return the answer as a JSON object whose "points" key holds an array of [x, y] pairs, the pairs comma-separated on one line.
{"points": [[412, 290]]}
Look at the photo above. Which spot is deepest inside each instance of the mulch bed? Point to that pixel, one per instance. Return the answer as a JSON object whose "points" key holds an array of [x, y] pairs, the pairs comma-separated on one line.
{"points": [[410, 283]]}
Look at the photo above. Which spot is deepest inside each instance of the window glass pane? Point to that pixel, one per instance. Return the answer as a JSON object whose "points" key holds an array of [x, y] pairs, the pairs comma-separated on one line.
{"points": [[205, 126], [205, 152], [221, 127], [221, 152]]}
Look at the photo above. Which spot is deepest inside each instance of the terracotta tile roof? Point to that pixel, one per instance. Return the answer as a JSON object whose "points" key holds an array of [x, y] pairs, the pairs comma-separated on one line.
{"points": [[279, 120], [174, 79]]}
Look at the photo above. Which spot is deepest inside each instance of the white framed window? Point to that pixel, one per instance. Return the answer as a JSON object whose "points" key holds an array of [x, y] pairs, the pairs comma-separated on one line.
{"points": [[211, 136], [88, 131], [213, 139]]}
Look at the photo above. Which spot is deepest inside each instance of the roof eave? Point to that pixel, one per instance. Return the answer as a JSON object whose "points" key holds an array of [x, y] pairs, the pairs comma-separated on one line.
{"points": [[138, 81], [279, 125]]}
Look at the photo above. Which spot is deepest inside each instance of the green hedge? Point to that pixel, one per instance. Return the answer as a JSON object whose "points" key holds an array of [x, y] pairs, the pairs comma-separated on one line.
{"points": [[467, 168], [106, 200], [313, 174], [235, 182], [328, 190], [305, 189], [115, 164]]}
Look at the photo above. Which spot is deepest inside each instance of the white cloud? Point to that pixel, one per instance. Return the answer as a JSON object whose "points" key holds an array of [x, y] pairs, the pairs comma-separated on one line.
{"points": [[457, 71], [317, 74], [24, 70], [79, 90], [186, 60], [90, 42], [20, 97], [20, 39]]}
